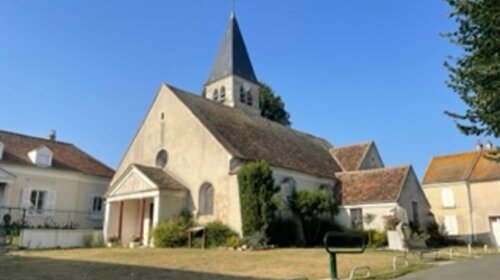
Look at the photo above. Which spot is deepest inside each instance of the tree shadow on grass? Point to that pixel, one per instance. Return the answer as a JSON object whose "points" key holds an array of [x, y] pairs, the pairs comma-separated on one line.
{"points": [[32, 268]]}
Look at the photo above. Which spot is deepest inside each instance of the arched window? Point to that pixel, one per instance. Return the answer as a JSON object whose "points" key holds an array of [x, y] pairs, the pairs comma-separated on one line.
{"points": [[216, 95], [222, 94], [161, 159], [206, 205], [242, 95], [249, 98]]}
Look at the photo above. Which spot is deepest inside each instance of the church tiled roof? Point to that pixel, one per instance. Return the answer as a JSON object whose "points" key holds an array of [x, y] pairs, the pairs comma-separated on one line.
{"points": [[251, 137], [350, 157], [65, 156], [232, 58], [469, 166], [374, 185]]}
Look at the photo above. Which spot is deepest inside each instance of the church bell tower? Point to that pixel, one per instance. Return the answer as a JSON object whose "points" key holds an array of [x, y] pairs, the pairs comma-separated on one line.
{"points": [[232, 81]]}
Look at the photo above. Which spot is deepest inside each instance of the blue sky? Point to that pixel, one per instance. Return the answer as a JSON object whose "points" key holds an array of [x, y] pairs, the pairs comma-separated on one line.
{"points": [[349, 71]]}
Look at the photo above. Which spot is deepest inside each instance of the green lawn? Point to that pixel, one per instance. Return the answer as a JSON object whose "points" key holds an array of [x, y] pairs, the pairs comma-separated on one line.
{"points": [[147, 264]]}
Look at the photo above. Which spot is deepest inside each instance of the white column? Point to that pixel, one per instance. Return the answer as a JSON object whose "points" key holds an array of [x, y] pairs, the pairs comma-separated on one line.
{"points": [[107, 211], [156, 210]]}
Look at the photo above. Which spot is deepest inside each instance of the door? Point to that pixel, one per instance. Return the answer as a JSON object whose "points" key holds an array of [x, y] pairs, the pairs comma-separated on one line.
{"points": [[495, 228]]}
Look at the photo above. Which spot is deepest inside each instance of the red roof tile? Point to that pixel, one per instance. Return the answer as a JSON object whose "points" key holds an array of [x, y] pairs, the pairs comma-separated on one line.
{"points": [[65, 156], [350, 157], [374, 185]]}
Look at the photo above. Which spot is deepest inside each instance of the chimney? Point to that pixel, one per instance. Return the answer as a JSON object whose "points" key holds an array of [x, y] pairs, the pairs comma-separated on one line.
{"points": [[479, 145], [489, 145], [52, 135]]}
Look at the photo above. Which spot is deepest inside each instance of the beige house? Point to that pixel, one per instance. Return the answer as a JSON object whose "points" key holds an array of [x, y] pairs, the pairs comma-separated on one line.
{"points": [[48, 183], [370, 192], [188, 149], [463, 191]]}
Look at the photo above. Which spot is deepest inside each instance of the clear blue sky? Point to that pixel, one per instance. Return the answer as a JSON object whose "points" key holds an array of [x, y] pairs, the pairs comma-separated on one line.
{"points": [[349, 71]]}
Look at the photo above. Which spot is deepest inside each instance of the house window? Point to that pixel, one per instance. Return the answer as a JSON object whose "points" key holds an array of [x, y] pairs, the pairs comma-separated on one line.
{"points": [[216, 95], [357, 218], [447, 198], [206, 199], [161, 159], [414, 208], [451, 225], [97, 204], [38, 200], [288, 187], [222, 94], [162, 116]]}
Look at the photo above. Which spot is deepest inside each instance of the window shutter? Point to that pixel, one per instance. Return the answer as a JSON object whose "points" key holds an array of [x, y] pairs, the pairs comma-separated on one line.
{"points": [[451, 225], [447, 199], [25, 198], [51, 202]]}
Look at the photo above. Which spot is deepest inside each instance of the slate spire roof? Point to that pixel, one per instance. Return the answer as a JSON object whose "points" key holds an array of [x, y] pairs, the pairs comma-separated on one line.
{"points": [[232, 58]]}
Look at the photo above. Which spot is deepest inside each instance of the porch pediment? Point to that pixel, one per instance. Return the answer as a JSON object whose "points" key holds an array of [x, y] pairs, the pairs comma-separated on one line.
{"points": [[142, 180]]}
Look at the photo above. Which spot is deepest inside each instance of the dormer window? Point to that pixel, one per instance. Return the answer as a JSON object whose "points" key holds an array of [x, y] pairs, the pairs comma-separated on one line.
{"points": [[41, 156], [222, 94], [216, 95], [1, 150]]}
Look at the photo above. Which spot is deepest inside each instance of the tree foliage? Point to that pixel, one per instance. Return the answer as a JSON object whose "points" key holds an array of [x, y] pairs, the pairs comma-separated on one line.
{"points": [[316, 210], [475, 75], [256, 196], [272, 107]]}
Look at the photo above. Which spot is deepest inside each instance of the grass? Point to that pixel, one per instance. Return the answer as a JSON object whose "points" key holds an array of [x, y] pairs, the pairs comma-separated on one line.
{"points": [[148, 264]]}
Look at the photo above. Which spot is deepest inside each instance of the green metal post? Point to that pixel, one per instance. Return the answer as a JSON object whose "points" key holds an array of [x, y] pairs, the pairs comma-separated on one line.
{"points": [[333, 266]]}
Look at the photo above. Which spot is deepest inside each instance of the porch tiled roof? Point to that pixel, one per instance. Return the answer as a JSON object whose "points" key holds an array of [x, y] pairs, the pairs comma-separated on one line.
{"points": [[161, 178], [374, 185]]}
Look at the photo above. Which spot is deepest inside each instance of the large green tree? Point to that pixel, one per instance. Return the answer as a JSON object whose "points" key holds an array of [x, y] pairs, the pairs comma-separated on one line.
{"points": [[256, 197], [272, 107], [475, 75]]}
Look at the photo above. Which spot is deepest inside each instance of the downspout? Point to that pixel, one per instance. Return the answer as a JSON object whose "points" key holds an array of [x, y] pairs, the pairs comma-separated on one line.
{"points": [[472, 238]]}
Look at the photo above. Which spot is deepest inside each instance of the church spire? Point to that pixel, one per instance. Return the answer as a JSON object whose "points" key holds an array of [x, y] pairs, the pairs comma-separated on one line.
{"points": [[232, 80], [232, 58]]}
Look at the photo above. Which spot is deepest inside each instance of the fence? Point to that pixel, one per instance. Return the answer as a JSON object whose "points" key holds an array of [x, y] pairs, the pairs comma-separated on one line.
{"points": [[59, 238], [21, 218]]}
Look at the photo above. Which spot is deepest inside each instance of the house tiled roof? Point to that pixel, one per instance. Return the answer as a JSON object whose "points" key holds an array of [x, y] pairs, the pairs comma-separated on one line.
{"points": [[374, 185], [469, 166], [161, 178], [65, 156], [251, 137], [350, 157]]}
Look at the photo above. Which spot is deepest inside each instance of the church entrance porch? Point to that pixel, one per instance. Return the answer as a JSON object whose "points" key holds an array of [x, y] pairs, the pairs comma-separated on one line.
{"points": [[137, 201]]}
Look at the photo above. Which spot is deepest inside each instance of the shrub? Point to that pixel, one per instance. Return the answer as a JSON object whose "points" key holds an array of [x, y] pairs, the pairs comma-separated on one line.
{"points": [[377, 238], [217, 234], [172, 233], [391, 222], [257, 189], [257, 240], [233, 241], [284, 232], [88, 240]]}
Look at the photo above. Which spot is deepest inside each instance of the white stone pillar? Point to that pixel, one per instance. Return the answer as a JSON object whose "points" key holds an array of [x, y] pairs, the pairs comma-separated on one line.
{"points": [[156, 210], [107, 211]]}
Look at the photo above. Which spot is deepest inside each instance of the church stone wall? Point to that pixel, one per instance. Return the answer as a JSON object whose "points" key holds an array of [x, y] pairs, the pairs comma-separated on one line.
{"points": [[194, 156]]}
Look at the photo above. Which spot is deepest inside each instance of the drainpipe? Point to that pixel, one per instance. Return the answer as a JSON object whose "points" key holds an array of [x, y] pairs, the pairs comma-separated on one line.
{"points": [[471, 211]]}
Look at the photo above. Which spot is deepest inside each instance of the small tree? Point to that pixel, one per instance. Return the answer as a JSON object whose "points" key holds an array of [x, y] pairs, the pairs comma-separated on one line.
{"points": [[256, 196], [312, 207]]}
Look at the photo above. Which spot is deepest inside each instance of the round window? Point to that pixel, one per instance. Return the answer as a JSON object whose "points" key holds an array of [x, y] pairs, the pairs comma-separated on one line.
{"points": [[161, 159]]}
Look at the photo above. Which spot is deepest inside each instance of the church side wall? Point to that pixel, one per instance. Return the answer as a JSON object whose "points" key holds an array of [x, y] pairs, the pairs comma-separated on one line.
{"points": [[413, 192]]}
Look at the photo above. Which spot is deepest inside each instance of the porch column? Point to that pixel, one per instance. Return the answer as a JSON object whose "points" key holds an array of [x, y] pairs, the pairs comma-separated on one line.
{"points": [[156, 211], [141, 217], [120, 219], [107, 211]]}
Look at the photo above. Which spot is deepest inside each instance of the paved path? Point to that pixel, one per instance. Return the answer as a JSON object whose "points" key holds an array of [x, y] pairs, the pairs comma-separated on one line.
{"points": [[478, 269]]}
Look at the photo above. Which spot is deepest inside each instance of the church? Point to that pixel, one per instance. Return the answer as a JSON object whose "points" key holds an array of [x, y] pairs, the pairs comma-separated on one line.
{"points": [[189, 148]]}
